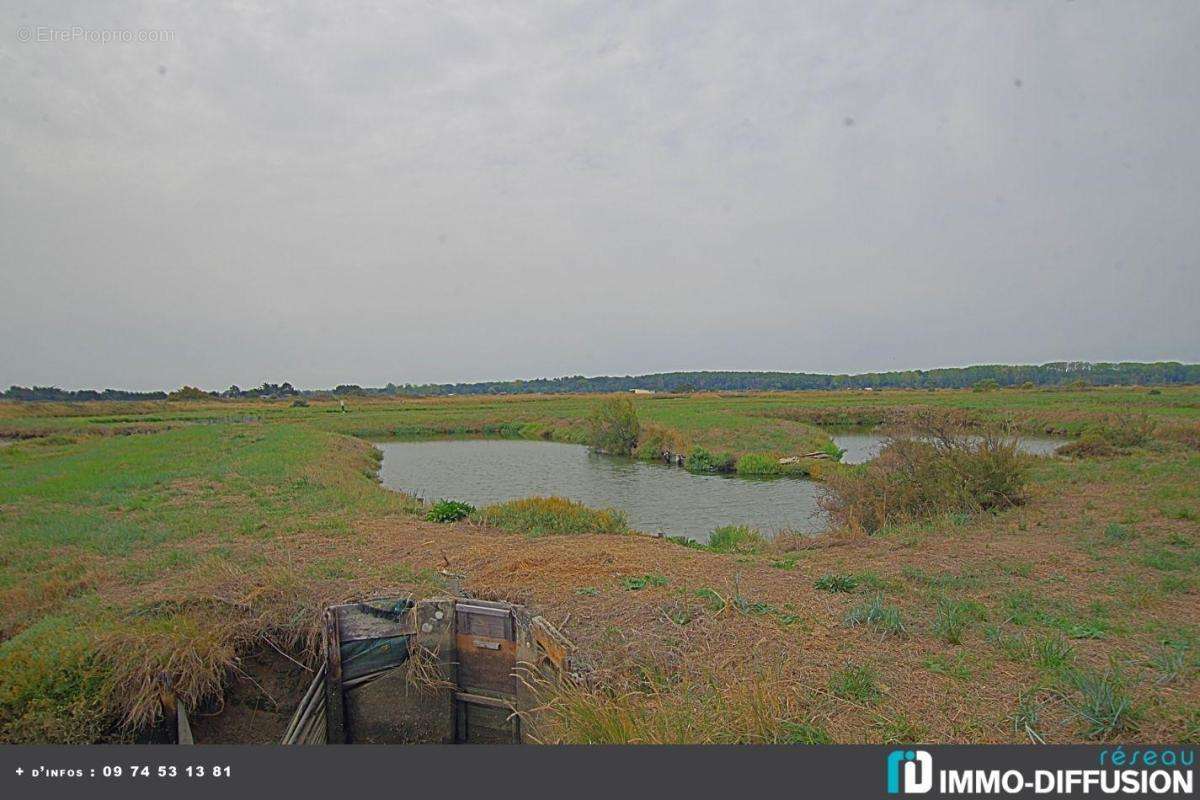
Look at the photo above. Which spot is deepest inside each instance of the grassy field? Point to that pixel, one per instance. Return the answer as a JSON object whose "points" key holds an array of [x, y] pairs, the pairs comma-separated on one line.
{"points": [[192, 540]]}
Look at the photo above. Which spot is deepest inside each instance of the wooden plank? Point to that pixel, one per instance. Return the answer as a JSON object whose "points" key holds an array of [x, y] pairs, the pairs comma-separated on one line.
{"points": [[556, 646], [484, 700], [485, 663], [485, 607], [488, 725], [354, 624], [182, 726], [335, 701]]}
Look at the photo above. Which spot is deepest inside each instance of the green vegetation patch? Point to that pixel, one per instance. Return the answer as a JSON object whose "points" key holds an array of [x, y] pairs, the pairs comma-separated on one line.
{"points": [[551, 516]]}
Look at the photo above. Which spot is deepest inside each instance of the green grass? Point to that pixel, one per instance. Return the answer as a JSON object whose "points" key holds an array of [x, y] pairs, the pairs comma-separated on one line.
{"points": [[1101, 703], [1053, 653], [835, 583], [856, 682], [547, 516], [878, 614], [804, 733], [182, 508], [736, 539], [635, 583], [954, 617]]}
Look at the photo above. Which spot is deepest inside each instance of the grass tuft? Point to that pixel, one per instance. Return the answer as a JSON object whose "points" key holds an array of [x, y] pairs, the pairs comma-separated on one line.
{"points": [[736, 539], [857, 682], [547, 516], [1101, 703], [836, 583], [878, 614]]}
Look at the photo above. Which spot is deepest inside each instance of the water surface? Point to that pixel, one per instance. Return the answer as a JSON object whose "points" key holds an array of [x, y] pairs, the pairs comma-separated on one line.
{"points": [[864, 444], [654, 497]]}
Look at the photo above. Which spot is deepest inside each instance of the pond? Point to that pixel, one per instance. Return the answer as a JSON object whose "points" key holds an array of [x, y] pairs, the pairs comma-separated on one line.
{"points": [[863, 444], [654, 497]]}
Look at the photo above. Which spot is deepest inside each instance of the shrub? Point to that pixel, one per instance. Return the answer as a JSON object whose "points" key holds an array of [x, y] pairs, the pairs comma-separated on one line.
{"points": [[656, 442], [833, 451], [736, 539], [541, 516], [700, 460], [836, 583], [1090, 445], [986, 385], [1115, 438], [449, 511], [614, 426], [188, 393], [299, 402], [945, 472]]}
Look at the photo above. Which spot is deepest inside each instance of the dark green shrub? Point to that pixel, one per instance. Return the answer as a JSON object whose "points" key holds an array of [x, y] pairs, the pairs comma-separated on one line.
{"points": [[700, 460], [449, 511], [614, 426]]}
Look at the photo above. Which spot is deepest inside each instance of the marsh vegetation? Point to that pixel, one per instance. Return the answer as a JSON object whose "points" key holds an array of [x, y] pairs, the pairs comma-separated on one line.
{"points": [[1048, 599]]}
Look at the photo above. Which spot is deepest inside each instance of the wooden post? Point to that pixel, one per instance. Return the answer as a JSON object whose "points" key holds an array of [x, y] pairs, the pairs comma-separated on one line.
{"points": [[335, 701]]}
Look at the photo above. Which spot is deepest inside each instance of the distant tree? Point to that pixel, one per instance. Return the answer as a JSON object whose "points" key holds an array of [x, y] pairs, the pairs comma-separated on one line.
{"points": [[188, 393], [614, 425]]}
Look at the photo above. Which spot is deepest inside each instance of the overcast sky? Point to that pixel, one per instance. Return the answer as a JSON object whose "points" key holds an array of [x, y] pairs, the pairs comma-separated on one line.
{"points": [[440, 191]]}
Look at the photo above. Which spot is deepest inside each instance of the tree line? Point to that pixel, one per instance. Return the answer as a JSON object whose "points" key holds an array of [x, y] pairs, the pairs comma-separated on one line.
{"points": [[1058, 373]]}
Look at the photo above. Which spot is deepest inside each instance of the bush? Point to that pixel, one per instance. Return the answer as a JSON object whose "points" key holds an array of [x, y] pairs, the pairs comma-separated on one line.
{"points": [[700, 460], [188, 393], [1090, 445], [547, 516], [1115, 438], [656, 442], [986, 385], [449, 511], [736, 539], [614, 426], [944, 472]]}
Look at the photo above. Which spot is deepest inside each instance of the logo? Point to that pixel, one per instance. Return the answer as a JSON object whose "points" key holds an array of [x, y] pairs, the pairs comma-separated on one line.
{"points": [[916, 777]]}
